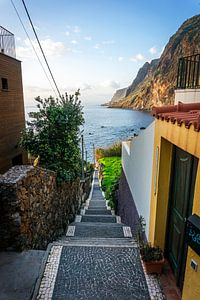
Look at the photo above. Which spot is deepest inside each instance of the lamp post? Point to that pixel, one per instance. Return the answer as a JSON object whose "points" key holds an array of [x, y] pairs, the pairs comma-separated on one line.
{"points": [[94, 154], [86, 162], [82, 153]]}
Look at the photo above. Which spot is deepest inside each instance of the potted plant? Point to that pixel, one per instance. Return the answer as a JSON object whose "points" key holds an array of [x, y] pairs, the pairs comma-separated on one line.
{"points": [[152, 258]]}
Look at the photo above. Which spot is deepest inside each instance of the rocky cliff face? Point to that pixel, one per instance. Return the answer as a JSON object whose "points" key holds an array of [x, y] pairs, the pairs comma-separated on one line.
{"points": [[119, 94], [156, 87]]}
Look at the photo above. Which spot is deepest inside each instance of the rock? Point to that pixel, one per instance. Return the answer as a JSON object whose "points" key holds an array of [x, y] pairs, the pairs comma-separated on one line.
{"points": [[155, 82]]}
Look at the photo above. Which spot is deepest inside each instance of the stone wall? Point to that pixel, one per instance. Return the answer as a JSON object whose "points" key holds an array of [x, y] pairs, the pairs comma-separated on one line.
{"points": [[33, 209]]}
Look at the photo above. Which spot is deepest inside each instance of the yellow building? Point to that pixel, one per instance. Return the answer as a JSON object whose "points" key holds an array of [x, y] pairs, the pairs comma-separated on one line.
{"points": [[175, 194]]}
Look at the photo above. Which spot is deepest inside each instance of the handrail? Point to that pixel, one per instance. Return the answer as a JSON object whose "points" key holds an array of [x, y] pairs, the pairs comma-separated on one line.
{"points": [[7, 42], [188, 76]]}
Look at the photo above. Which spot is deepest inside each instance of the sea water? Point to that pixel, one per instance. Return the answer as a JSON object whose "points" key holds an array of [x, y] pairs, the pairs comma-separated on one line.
{"points": [[104, 126]]}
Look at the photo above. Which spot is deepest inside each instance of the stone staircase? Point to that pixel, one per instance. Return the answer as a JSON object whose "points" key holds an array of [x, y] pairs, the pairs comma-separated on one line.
{"points": [[97, 224], [97, 259]]}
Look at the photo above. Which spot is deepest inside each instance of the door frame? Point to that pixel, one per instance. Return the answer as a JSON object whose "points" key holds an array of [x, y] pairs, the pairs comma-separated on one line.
{"points": [[184, 249]]}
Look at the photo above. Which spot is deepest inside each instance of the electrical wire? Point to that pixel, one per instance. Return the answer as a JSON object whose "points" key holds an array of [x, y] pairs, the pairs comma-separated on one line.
{"points": [[33, 47], [41, 49]]}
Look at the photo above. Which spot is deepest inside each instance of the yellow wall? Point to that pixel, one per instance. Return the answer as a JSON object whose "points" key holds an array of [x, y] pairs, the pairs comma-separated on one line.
{"points": [[167, 134]]}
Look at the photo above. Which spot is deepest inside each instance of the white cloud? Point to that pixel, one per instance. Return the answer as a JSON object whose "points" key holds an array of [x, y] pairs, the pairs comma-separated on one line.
{"points": [[67, 33], [110, 84], [88, 38], [74, 42], [97, 46], [120, 58], [138, 57], [109, 42], [76, 29], [85, 87], [153, 50], [50, 47]]}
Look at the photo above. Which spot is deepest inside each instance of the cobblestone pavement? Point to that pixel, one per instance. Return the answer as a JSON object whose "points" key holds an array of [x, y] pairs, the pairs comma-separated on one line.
{"points": [[98, 259]]}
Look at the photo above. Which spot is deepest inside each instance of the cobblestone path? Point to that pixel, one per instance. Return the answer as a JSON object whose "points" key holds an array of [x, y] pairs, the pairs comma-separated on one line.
{"points": [[98, 258]]}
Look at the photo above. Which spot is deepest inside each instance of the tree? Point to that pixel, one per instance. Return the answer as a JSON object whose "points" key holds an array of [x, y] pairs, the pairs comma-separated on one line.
{"points": [[53, 135]]}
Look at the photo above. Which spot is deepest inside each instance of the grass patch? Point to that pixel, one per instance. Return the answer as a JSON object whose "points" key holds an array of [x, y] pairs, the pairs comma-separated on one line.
{"points": [[111, 173]]}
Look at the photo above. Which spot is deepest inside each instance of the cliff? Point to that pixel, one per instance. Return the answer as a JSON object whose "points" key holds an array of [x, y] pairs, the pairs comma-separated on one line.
{"points": [[119, 94], [155, 83]]}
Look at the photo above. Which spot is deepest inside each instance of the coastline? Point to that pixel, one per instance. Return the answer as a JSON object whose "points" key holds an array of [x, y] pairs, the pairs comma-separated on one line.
{"points": [[128, 108]]}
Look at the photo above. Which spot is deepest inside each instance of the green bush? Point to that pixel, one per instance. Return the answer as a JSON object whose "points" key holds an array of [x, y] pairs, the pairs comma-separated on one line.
{"points": [[53, 135], [111, 174], [113, 150]]}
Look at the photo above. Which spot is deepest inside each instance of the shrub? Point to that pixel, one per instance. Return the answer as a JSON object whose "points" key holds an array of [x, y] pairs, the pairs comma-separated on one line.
{"points": [[150, 253], [53, 135], [113, 150], [111, 171]]}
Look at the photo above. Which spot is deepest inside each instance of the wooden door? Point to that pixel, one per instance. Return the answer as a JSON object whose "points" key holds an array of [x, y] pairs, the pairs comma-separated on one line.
{"points": [[180, 207]]}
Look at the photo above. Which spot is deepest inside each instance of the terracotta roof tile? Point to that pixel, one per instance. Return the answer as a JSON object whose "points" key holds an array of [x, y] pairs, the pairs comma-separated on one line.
{"points": [[187, 113]]}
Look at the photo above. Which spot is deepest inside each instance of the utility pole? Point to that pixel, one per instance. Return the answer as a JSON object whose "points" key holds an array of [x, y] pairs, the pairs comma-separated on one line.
{"points": [[86, 162], [94, 154], [82, 152]]}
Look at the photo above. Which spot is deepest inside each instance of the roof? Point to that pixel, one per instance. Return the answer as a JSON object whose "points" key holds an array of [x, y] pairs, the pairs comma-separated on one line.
{"points": [[182, 113]]}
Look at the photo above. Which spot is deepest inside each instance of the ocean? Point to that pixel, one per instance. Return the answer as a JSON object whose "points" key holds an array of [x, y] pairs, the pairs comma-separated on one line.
{"points": [[104, 126]]}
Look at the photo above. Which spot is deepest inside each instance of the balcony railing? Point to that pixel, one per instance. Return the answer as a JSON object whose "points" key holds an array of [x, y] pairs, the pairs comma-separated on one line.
{"points": [[7, 42], [189, 72]]}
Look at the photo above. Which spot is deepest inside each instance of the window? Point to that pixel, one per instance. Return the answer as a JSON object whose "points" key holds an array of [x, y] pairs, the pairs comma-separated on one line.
{"points": [[4, 83]]}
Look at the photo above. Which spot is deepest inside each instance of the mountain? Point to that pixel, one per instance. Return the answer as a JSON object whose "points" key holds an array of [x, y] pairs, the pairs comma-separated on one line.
{"points": [[119, 94], [155, 82]]}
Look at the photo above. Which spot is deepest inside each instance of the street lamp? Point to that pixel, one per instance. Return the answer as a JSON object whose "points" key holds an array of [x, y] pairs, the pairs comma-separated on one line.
{"points": [[86, 162], [82, 156]]}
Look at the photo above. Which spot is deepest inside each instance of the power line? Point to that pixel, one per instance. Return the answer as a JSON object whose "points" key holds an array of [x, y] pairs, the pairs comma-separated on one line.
{"points": [[41, 48], [33, 47]]}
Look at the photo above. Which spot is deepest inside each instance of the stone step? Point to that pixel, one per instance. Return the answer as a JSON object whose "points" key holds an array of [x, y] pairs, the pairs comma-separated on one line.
{"points": [[97, 207], [99, 218], [98, 212], [97, 199], [98, 230], [106, 242], [97, 203]]}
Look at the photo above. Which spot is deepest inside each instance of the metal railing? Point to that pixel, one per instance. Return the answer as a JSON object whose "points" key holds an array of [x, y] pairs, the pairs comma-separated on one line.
{"points": [[189, 72], [7, 42]]}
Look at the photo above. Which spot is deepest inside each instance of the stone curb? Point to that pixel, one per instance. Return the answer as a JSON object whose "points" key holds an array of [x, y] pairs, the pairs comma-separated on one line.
{"points": [[41, 272]]}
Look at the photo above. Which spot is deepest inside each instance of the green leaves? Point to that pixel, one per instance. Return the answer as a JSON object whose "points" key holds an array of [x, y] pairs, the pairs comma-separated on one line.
{"points": [[53, 134], [111, 174]]}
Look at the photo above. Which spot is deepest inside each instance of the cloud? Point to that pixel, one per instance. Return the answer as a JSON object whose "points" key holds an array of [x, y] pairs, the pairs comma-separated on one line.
{"points": [[76, 29], [153, 50], [138, 57], [67, 33], [120, 58], [110, 84], [74, 42], [50, 47], [88, 38], [85, 87], [97, 46], [109, 42]]}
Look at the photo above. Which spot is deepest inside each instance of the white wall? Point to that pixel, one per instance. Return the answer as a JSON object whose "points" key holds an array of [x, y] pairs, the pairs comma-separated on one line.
{"points": [[137, 162], [187, 95]]}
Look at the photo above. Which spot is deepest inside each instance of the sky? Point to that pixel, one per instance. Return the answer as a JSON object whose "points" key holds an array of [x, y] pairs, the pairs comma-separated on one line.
{"points": [[95, 45]]}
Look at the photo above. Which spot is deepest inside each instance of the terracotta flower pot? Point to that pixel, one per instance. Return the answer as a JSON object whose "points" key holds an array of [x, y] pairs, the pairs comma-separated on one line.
{"points": [[154, 266]]}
